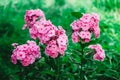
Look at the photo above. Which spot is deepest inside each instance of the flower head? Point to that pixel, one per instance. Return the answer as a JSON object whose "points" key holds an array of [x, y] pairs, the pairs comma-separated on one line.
{"points": [[99, 52], [32, 16], [26, 53], [54, 38], [58, 44], [84, 27]]}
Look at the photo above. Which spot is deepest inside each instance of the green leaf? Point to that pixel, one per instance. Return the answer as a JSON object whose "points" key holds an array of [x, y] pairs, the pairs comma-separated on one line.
{"points": [[77, 14], [49, 72]]}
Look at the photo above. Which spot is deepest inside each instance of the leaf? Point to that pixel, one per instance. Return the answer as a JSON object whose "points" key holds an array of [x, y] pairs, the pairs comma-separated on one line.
{"points": [[49, 72], [77, 14]]}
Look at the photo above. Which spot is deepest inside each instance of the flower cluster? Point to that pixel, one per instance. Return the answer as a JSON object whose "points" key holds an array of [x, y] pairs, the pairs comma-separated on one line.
{"points": [[26, 53], [99, 52], [54, 38], [57, 44], [32, 16], [43, 30], [84, 27]]}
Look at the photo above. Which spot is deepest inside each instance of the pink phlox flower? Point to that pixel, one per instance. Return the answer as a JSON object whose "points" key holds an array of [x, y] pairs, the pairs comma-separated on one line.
{"points": [[99, 52]]}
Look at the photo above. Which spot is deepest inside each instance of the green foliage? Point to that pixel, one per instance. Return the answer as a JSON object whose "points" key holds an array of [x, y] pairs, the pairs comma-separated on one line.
{"points": [[76, 14], [60, 13], [107, 4]]}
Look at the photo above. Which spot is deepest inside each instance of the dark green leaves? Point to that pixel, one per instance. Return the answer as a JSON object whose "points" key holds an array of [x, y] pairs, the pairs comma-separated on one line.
{"points": [[76, 14]]}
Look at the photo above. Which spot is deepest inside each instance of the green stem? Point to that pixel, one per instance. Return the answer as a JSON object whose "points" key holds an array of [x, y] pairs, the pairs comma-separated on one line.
{"points": [[81, 64], [81, 70], [21, 74], [58, 69]]}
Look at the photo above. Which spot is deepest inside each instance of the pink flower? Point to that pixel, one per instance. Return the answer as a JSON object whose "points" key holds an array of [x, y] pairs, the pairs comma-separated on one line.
{"points": [[60, 31], [75, 37], [32, 15], [43, 30], [99, 56], [62, 43], [96, 17], [33, 31], [62, 40], [20, 55], [14, 45], [13, 58], [26, 53], [52, 50], [57, 44], [44, 39], [22, 47], [26, 61], [97, 32], [82, 34], [47, 33], [86, 18], [39, 27], [85, 35], [52, 42], [75, 25], [87, 24], [25, 26], [62, 49], [31, 42], [32, 59], [51, 33], [99, 52]]}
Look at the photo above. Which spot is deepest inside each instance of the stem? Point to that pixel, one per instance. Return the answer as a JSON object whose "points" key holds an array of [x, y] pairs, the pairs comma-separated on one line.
{"points": [[58, 69], [21, 74], [81, 64]]}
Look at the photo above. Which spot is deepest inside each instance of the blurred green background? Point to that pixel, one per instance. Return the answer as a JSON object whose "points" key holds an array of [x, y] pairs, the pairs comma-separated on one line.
{"points": [[59, 12]]}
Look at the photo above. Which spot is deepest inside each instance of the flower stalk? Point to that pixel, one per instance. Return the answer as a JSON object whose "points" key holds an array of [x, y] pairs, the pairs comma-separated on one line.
{"points": [[81, 63]]}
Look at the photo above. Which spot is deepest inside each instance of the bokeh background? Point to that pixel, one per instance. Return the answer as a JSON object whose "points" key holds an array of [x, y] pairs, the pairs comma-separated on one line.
{"points": [[59, 12]]}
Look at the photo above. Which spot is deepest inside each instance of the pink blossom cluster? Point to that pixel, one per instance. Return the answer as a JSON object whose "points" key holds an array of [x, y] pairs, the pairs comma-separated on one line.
{"points": [[99, 52], [57, 44], [47, 33], [26, 53], [32, 16], [84, 27], [43, 30]]}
